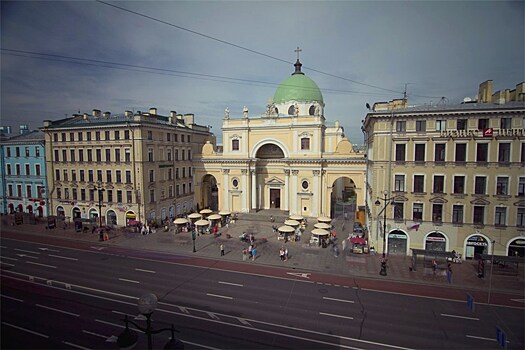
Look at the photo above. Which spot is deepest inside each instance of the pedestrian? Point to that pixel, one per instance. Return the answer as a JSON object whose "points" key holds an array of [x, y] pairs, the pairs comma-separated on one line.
{"points": [[254, 254], [449, 273], [281, 254], [250, 251], [285, 254], [434, 265], [244, 254], [222, 249]]}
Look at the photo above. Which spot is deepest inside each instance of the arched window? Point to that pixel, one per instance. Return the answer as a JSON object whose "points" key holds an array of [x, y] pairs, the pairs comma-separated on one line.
{"points": [[291, 110], [311, 110], [305, 143]]}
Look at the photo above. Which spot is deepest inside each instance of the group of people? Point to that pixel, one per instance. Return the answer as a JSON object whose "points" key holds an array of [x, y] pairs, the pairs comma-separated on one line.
{"points": [[249, 253], [283, 253]]}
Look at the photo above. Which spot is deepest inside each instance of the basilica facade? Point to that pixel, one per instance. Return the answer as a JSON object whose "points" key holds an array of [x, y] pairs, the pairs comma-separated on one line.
{"points": [[287, 159]]}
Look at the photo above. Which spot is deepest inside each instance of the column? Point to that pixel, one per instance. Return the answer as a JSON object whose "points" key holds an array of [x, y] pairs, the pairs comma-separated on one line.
{"points": [[293, 206], [316, 194], [225, 194], [244, 188], [286, 190], [253, 193]]}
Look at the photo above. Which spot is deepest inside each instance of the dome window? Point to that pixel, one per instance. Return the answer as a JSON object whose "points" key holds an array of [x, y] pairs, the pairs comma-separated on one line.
{"points": [[311, 110], [291, 110], [305, 185]]}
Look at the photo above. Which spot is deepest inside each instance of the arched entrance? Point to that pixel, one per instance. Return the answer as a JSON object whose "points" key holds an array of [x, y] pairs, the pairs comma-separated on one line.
{"points": [[20, 208], [163, 215], [172, 212], [210, 193], [436, 241], [516, 247], [61, 212], [93, 213], [397, 243], [40, 211], [111, 217], [76, 213], [29, 209], [11, 208], [476, 245], [130, 216], [343, 198]]}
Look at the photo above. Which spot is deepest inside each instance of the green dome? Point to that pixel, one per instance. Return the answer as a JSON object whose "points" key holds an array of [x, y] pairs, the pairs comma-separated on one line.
{"points": [[298, 87]]}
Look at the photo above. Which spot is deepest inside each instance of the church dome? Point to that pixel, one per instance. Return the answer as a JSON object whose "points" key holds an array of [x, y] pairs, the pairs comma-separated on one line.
{"points": [[298, 87]]}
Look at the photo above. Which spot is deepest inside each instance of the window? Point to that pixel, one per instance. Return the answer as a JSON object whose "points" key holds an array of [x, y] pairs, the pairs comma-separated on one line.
{"points": [[305, 143], [129, 197], [99, 175], [37, 152], [521, 187], [127, 155], [522, 158], [28, 169], [110, 196], [90, 176], [439, 184], [459, 184], [440, 150], [189, 138], [72, 155], [17, 168], [177, 154], [65, 173], [150, 135], [420, 152], [177, 190], [108, 155], [63, 137], [189, 171], [88, 135], [92, 195], [119, 196], [401, 126], [462, 124], [182, 154], [8, 169], [457, 214], [108, 176], [304, 185], [482, 154], [26, 150], [98, 154], [82, 194], [235, 183], [479, 215], [126, 134], [399, 183], [417, 212], [170, 174], [80, 136], [176, 173], [118, 176], [437, 212], [82, 175], [182, 138], [183, 172], [128, 176], [502, 186], [37, 169], [504, 153], [500, 217], [176, 137], [151, 176], [71, 136], [56, 156], [480, 185], [64, 155], [235, 147], [55, 137], [59, 193], [75, 194], [441, 125], [461, 152], [505, 123], [421, 125], [400, 152], [117, 155], [150, 154], [89, 155], [97, 135], [483, 124], [80, 155], [152, 195], [169, 154], [73, 175], [399, 209], [520, 219], [29, 191], [117, 137], [419, 181]]}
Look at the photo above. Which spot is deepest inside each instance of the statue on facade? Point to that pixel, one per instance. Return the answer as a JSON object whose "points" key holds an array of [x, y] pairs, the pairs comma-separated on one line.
{"points": [[227, 113], [245, 112], [296, 110]]}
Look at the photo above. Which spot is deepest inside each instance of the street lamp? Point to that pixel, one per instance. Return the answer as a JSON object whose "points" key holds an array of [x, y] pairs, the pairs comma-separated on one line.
{"points": [[100, 193], [128, 338], [383, 257], [193, 237]]}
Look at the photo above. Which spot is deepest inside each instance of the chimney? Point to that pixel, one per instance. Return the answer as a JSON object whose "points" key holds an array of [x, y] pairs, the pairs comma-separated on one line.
{"points": [[85, 116], [24, 129], [173, 114], [153, 111], [6, 130], [96, 113], [485, 92], [128, 114], [107, 114]]}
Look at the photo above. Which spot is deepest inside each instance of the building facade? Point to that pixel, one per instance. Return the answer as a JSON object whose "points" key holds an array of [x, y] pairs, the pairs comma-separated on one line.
{"points": [[451, 177], [131, 167], [23, 174], [288, 159]]}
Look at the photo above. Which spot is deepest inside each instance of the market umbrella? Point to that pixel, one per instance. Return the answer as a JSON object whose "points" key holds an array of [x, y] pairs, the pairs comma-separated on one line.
{"points": [[225, 213], [206, 211], [291, 222], [324, 219], [202, 223], [194, 216], [214, 217], [320, 232], [296, 217], [180, 221], [322, 225], [286, 229]]}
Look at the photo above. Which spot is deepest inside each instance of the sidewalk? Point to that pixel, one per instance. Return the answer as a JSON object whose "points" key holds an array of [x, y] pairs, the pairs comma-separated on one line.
{"points": [[301, 256]]}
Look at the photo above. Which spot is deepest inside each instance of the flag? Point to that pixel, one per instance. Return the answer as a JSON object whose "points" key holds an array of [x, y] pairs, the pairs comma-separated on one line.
{"points": [[414, 226]]}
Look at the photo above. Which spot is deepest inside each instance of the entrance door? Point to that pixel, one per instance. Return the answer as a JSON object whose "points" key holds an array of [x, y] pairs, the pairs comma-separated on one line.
{"points": [[275, 198]]}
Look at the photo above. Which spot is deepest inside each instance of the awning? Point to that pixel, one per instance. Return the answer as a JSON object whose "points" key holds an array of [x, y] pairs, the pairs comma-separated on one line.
{"points": [[291, 222], [324, 219], [320, 232], [131, 215], [286, 229], [180, 221], [194, 216], [296, 217], [322, 225], [206, 211], [225, 213], [214, 217], [202, 223]]}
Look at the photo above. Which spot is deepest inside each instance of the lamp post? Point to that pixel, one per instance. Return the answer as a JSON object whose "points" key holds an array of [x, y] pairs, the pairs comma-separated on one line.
{"points": [[100, 194], [128, 338], [193, 238], [383, 257]]}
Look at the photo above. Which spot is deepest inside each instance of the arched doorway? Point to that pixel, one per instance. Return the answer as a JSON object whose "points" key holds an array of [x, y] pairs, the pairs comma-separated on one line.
{"points": [[343, 198], [61, 212], [93, 213], [475, 246], [397, 243], [172, 212], [130, 216], [436, 241], [210, 193], [40, 211], [163, 215], [516, 247], [11, 208], [29, 209], [76, 213], [20, 208], [111, 217]]}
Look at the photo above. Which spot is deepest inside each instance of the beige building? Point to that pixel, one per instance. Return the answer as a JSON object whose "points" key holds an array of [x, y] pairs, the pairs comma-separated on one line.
{"points": [[288, 159], [453, 176], [136, 166]]}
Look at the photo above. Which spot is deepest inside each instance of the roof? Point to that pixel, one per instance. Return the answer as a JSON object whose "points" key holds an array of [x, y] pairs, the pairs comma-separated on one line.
{"points": [[298, 87], [28, 137]]}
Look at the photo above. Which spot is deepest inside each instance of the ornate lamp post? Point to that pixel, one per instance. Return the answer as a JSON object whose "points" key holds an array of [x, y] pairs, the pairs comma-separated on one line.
{"points": [[128, 338], [100, 194], [193, 238], [382, 272]]}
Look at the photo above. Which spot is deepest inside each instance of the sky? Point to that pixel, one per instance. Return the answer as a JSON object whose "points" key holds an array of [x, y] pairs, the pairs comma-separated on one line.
{"points": [[59, 58]]}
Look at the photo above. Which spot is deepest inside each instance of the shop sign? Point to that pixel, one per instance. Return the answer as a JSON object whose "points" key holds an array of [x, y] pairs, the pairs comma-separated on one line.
{"points": [[393, 235], [436, 239]]}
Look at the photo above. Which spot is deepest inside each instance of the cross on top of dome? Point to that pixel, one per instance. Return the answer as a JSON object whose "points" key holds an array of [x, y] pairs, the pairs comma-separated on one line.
{"points": [[298, 64]]}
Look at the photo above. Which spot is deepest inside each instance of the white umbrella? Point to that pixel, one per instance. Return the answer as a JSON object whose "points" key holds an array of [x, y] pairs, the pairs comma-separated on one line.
{"points": [[225, 213], [322, 225], [194, 216], [296, 217], [324, 219], [320, 232], [180, 221], [202, 223], [291, 222], [214, 217], [286, 229], [206, 211]]}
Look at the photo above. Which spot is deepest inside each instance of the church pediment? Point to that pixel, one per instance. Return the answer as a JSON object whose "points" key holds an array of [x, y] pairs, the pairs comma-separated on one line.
{"points": [[274, 181]]}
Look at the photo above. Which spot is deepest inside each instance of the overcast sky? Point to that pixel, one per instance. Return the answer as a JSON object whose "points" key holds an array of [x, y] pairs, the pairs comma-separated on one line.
{"points": [[202, 56]]}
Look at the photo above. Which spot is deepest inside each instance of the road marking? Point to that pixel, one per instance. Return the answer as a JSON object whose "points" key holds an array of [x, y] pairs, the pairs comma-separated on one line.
{"points": [[148, 271], [183, 309], [27, 256], [213, 316], [299, 274], [57, 310], [25, 330], [519, 300], [8, 297], [231, 284], [332, 315], [95, 334], [34, 263], [243, 321], [130, 281], [341, 300], [218, 296], [63, 257], [483, 338], [5, 257], [463, 317], [8, 264], [3, 246], [49, 249], [98, 248], [26, 251], [74, 345]]}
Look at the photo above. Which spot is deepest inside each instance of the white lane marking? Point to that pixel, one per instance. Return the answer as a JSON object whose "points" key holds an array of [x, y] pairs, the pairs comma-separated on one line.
{"points": [[341, 300], [483, 338], [332, 315], [8, 297], [26, 330], [218, 296], [62, 257], [130, 281], [57, 310], [34, 263], [26, 251], [27, 256], [98, 248], [299, 274], [49, 249], [243, 321], [213, 316], [519, 300], [148, 271], [183, 309], [463, 317], [95, 334], [8, 264], [5, 257], [231, 284], [75, 345]]}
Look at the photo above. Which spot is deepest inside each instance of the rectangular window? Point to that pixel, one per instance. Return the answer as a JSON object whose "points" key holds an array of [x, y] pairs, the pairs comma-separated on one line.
{"points": [[73, 175], [421, 125], [169, 154], [520, 218], [127, 155], [505, 123], [108, 155], [461, 152], [399, 209], [399, 183], [126, 134], [177, 190], [117, 155], [108, 176], [88, 135], [419, 182], [80, 136], [522, 157], [457, 214], [119, 196], [500, 218], [129, 197], [90, 176], [55, 137], [441, 125], [189, 151], [462, 124], [65, 173], [437, 212], [117, 136], [98, 154], [182, 154], [128, 176], [480, 185], [482, 154], [400, 152], [97, 135], [183, 172], [483, 123], [439, 184], [150, 135], [80, 155], [29, 191], [504, 153], [37, 152], [150, 155], [118, 176], [176, 173], [59, 193], [82, 194], [151, 176], [401, 126], [152, 196], [459, 184], [440, 150], [26, 151], [82, 175], [502, 186], [419, 155], [521, 187], [71, 136], [17, 168], [170, 191], [110, 196], [479, 215], [72, 155], [37, 169], [417, 212], [89, 155], [91, 195], [305, 143], [9, 152], [56, 156], [75, 193], [235, 147], [28, 169], [99, 175], [63, 137], [181, 138], [64, 155], [8, 169]]}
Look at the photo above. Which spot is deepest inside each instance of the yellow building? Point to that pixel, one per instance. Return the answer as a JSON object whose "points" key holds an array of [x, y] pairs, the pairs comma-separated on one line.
{"points": [[136, 166], [452, 176], [288, 159]]}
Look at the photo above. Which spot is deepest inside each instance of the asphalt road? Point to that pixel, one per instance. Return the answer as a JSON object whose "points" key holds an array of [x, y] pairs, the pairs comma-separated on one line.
{"points": [[75, 297]]}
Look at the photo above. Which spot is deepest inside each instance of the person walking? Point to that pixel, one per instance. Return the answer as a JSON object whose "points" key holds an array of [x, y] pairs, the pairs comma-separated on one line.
{"points": [[244, 255], [254, 254], [449, 273], [222, 249]]}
